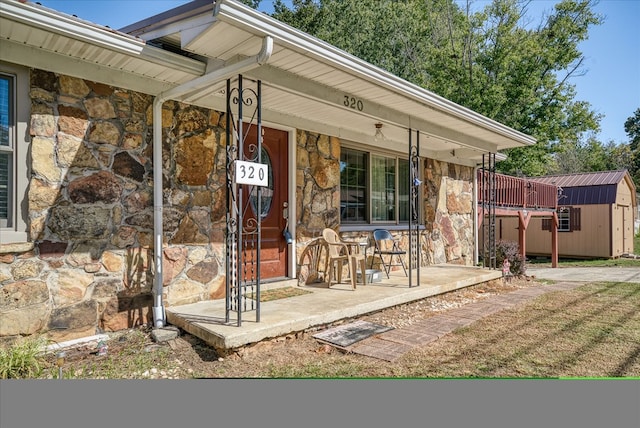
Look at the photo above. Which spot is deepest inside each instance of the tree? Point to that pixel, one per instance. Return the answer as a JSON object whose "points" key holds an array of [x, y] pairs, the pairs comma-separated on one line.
{"points": [[618, 156], [491, 61], [528, 71], [584, 156], [632, 128]]}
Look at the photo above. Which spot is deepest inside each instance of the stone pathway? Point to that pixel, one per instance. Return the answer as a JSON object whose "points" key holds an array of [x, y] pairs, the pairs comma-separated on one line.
{"points": [[393, 344]]}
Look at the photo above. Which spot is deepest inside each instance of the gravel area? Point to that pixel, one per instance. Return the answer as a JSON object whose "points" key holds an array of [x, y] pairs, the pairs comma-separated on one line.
{"points": [[134, 355]]}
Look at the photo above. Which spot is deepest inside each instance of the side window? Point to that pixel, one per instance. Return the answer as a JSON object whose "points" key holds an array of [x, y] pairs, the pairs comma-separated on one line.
{"points": [[14, 174], [383, 188], [354, 204], [374, 188], [7, 144]]}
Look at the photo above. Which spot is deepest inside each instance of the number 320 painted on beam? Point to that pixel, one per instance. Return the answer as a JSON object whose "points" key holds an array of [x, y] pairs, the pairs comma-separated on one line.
{"points": [[353, 103]]}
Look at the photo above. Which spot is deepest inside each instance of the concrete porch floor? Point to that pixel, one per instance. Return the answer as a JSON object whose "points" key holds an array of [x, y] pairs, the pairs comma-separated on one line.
{"points": [[322, 306]]}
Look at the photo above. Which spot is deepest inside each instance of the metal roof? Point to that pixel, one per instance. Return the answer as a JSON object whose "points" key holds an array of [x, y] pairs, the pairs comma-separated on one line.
{"points": [[588, 188], [305, 82], [584, 178], [588, 195], [35, 36]]}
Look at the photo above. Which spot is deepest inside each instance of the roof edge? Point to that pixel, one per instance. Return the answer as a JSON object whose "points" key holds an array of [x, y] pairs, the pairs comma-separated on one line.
{"points": [[240, 15], [185, 11], [75, 28]]}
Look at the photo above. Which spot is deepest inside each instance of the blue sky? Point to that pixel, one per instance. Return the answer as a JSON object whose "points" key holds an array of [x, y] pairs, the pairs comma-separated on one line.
{"points": [[611, 83]]}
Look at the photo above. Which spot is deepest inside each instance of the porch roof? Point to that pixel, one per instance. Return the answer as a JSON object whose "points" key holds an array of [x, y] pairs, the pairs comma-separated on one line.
{"points": [[306, 82]]}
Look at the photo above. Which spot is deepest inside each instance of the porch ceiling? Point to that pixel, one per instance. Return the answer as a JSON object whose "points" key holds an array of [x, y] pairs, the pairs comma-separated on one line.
{"points": [[308, 81], [305, 83]]}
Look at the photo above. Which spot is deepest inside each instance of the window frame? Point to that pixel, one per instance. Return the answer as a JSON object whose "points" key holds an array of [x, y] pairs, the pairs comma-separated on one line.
{"points": [[571, 218], [564, 219], [15, 229], [369, 155], [8, 150]]}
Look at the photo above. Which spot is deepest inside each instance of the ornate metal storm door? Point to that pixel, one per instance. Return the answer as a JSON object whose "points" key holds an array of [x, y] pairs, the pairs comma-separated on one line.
{"points": [[246, 174], [414, 208]]}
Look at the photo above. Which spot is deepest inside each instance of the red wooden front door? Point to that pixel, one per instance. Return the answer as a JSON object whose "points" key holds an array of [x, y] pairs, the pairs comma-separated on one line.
{"points": [[274, 199]]}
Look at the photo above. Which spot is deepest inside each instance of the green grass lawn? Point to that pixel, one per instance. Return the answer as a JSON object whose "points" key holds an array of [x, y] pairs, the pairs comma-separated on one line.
{"points": [[592, 331]]}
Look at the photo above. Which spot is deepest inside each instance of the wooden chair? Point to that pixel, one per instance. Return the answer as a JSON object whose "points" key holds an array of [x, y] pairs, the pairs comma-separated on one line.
{"points": [[339, 252], [385, 245]]}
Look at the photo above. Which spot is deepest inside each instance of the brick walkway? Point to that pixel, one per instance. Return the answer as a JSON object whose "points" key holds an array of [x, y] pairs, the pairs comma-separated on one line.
{"points": [[393, 344]]}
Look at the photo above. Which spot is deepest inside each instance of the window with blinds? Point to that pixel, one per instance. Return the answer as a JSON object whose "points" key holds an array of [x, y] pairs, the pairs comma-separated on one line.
{"points": [[7, 144], [374, 188]]}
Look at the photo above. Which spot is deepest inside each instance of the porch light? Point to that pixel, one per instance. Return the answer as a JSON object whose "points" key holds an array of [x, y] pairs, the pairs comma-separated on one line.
{"points": [[379, 136]]}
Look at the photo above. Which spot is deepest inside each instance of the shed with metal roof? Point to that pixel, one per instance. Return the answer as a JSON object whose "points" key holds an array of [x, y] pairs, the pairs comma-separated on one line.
{"points": [[597, 212]]}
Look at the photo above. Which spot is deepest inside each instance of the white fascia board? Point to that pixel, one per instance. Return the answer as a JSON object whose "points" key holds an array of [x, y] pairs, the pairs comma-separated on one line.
{"points": [[57, 23], [259, 23], [30, 56]]}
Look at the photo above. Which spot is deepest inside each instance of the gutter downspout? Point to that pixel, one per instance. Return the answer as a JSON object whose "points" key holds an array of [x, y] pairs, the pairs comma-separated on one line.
{"points": [[188, 88]]}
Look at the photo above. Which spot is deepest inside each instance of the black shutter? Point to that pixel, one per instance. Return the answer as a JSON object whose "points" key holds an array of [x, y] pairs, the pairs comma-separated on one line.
{"points": [[574, 218]]}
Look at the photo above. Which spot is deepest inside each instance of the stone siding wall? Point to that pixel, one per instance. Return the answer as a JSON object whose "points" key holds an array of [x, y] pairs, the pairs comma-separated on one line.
{"points": [[449, 213], [90, 267], [317, 184]]}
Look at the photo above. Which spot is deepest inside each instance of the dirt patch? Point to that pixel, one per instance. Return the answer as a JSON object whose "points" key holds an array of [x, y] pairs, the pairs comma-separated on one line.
{"points": [[132, 354], [589, 331]]}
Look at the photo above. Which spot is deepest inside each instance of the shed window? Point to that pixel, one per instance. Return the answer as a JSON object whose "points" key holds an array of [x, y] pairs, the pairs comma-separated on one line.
{"points": [[568, 220], [564, 224]]}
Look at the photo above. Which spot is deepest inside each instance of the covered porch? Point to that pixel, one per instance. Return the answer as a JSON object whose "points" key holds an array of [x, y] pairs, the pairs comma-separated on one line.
{"points": [[184, 59], [320, 306]]}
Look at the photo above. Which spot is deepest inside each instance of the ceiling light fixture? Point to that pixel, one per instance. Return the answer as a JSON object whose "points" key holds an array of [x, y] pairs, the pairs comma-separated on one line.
{"points": [[379, 136]]}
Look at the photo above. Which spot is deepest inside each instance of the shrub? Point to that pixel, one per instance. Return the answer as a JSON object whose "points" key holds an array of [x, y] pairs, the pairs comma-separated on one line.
{"points": [[510, 250], [21, 360]]}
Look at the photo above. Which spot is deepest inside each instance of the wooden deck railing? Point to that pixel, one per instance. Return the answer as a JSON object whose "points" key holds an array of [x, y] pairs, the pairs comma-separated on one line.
{"points": [[514, 192]]}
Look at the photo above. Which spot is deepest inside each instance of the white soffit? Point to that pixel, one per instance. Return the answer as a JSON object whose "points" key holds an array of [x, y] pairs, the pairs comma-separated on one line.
{"points": [[305, 83], [316, 79], [34, 36]]}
